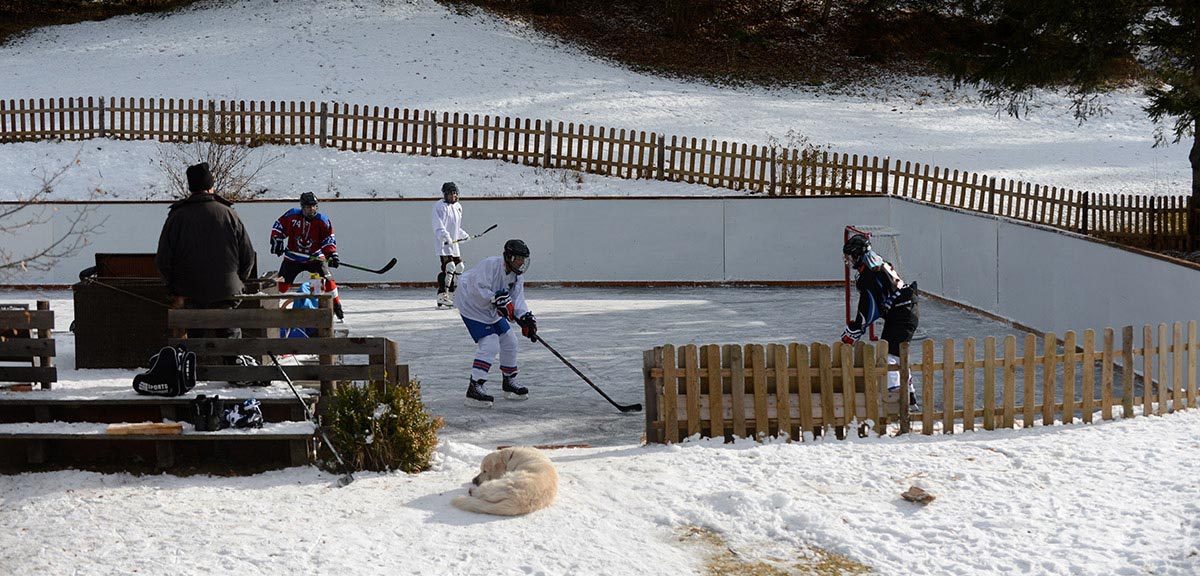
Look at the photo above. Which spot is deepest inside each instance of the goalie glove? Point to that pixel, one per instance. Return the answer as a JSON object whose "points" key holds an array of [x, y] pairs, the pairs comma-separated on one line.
{"points": [[851, 336], [528, 326], [278, 245]]}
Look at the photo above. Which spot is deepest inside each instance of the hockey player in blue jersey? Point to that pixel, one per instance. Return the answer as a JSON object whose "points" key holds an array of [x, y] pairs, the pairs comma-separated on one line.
{"points": [[881, 294], [490, 295]]}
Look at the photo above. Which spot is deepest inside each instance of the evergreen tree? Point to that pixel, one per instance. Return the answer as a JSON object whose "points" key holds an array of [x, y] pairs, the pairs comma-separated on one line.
{"points": [[1089, 47]]}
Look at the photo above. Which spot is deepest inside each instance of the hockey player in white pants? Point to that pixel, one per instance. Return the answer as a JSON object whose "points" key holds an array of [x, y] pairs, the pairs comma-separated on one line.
{"points": [[493, 294], [447, 230]]}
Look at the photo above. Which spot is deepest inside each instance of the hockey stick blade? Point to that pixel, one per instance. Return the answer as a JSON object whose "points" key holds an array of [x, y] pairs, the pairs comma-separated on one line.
{"points": [[624, 408]]}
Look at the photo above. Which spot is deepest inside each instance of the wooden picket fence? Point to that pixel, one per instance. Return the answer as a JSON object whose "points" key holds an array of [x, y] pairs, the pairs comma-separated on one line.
{"points": [[1157, 223], [802, 390]]}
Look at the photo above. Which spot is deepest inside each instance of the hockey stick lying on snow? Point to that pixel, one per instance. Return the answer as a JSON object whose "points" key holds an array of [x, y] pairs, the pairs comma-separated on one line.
{"points": [[622, 408], [471, 237], [385, 268], [349, 477]]}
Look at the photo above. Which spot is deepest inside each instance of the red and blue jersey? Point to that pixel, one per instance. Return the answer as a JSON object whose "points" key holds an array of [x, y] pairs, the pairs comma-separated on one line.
{"points": [[310, 237]]}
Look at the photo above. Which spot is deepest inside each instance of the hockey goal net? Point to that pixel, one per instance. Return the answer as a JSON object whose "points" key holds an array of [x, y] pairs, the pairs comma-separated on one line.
{"points": [[885, 241]]}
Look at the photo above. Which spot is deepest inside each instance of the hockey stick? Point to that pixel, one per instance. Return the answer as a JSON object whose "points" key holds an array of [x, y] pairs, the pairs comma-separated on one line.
{"points": [[471, 237], [622, 408], [382, 270], [349, 477]]}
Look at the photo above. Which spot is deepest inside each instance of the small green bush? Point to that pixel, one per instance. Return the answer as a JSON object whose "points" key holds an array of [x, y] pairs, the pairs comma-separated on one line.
{"points": [[381, 431]]}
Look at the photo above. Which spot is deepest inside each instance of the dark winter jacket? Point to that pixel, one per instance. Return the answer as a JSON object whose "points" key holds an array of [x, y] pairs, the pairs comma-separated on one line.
{"points": [[204, 252]]}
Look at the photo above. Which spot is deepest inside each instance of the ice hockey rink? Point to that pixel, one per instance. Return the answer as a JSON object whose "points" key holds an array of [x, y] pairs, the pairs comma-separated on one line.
{"points": [[602, 331]]}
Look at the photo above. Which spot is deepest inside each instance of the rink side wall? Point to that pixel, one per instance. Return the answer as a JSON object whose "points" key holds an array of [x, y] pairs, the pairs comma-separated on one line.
{"points": [[1046, 279]]}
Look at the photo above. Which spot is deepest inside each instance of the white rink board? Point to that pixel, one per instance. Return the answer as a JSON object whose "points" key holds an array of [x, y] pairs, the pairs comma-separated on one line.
{"points": [[1046, 279]]}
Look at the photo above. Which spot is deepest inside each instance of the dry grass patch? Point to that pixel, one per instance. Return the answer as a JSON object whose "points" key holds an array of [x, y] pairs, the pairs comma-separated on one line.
{"points": [[721, 560]]}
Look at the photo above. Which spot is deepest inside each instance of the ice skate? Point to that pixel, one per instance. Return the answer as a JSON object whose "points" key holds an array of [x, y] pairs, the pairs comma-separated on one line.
{"points": [[444, 302], [337, 311], [514, 391], [477, 396]]}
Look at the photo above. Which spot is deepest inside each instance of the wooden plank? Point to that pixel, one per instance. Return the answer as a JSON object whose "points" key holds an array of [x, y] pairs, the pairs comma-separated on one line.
{"points": [[874, 392], [758, 363], [1107, 358], [710, 360], [1088, 368], [1127, 371], [927, 387], [260, 318], [905, 375], [825, 383], [324, 373], [1193, 350], [1148, 352], [145, 428], [847, 383], [1068, 386], [778, 359], [28, 374], [802, 360], [689, 358], [670, 393], [737, 388], [1049, 378], [948, 357], [968, 395], [1164, 385], [989, 383], [1029, 377], [1177, 366], [32, 347], [278, 346], [26, 319]]}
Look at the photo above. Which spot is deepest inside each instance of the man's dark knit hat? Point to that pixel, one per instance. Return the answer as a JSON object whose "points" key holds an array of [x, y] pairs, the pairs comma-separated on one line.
{"points": [[199, 178]]}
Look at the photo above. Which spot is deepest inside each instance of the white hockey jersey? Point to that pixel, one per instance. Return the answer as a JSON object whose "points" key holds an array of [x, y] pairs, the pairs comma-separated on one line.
{"points": [[479, 285], [447, 226]]}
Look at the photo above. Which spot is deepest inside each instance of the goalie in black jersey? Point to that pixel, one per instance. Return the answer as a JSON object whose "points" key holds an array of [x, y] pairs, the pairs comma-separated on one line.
{"points": [[881, 294]]}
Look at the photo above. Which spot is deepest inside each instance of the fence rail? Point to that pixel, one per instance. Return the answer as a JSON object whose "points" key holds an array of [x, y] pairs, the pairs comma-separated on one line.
{"points": [[802, 390], [1156, 223]]}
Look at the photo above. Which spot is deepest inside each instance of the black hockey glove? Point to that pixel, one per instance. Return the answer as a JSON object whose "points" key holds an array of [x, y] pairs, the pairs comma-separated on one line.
{"points": [[278, 246], [528, 326], [333, 260]]}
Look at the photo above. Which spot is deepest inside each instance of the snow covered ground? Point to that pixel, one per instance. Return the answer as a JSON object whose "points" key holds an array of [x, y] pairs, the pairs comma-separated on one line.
{"points": [[1117, 497], [1109, 498], [419, 54]]}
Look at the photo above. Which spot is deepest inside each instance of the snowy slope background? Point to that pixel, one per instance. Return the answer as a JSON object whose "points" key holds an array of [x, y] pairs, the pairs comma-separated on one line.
{"points": [[1118, 497], [418, 54]]}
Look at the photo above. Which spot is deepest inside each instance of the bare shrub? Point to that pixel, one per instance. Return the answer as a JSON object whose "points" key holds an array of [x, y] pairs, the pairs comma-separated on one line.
{"points": [[804, 168], [231, 157], [34, 210]]}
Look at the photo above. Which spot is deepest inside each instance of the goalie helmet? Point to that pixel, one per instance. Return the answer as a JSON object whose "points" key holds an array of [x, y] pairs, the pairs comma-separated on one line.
{"points": [[516, 249], [856, 246]]}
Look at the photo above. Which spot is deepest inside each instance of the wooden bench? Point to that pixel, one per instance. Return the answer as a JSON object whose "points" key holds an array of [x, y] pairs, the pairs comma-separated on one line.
{"points": [[26, 336], [261, 319], [46, 433]]}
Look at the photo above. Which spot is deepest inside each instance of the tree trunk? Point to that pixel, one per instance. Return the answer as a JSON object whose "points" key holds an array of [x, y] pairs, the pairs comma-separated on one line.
{"points": [[1193, 218]]}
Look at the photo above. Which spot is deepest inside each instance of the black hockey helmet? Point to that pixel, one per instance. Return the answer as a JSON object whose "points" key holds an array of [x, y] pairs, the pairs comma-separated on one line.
{"points": [[308, 199], [516, 248], [856, 246], [449, 189]]}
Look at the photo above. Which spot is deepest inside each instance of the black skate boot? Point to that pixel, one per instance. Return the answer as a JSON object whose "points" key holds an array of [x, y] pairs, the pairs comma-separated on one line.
{"points": [[477, 396], [512, 390], [337, 311]]}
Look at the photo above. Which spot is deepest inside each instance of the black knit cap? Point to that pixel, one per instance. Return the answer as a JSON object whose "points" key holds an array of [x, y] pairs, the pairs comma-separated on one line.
{"points": [[199, 178], [449, 188]]}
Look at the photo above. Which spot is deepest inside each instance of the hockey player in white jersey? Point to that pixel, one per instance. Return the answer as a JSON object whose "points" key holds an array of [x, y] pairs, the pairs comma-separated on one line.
{"points": [[447, 231], [492, 295]]}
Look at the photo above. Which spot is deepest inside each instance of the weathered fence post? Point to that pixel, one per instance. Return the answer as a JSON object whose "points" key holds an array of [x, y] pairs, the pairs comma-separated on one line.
{"points": [[661, 154], [1083, 213], [991, 195], [887, 171], [212, 118], [433, 140], [103, 129], [547, 147], [1154, 212], [1193, 224], [774, 152], [324, 134]]}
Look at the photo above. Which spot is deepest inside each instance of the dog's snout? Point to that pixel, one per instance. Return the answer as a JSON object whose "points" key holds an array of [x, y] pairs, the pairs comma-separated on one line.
{"points": [[478, 479]]}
